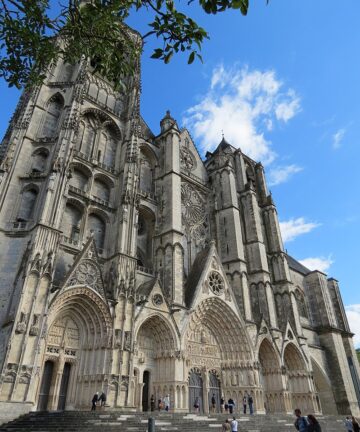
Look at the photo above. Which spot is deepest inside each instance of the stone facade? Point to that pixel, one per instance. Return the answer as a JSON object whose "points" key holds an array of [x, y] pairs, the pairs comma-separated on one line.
{"points": [[128, 264]]}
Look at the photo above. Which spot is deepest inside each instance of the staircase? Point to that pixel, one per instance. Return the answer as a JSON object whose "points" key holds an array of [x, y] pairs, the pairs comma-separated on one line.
{"points": [[116, 421]]}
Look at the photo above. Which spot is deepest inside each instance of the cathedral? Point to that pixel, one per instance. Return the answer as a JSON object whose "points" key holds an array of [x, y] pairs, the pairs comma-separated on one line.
{"points": [[131, 265]]}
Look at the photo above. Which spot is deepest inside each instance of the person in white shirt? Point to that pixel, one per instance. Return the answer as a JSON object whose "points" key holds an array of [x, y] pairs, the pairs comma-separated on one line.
{"points": [[167, 402], [234, 425]]}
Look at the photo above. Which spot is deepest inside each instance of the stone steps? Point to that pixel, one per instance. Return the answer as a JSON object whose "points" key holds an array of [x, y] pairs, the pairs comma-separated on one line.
{"points": [[85, 421]]}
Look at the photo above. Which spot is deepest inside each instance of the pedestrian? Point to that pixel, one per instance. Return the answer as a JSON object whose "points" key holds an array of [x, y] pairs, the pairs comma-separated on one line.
{"points": [[251, 404], [159, 404], [222, 402], [244, 403], [167, 402], [213, 403], [301, 423], [152, 403], [102, 399], [226, 406], [355, 424], [197, 404], [314, 425], [94, 401], [226, 426], [231, 405], [234, 425], [348, 424]]}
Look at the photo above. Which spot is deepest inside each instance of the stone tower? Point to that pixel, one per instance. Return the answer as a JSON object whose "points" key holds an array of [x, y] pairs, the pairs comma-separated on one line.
{"points": [[130, 265]]}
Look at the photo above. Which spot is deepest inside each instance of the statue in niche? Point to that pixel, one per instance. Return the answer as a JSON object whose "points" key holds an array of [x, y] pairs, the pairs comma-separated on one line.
{"points": [[112, 278], [203, 337], [127, 341]]}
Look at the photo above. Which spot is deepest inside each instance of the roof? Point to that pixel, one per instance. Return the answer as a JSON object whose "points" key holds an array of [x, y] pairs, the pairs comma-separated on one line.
{"points": [[295, 265], [195, 275], [145, 288]]}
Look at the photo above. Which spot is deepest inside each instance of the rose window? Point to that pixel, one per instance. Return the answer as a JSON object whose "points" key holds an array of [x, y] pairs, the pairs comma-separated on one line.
{"points": [[216, 283], [87, 273]]}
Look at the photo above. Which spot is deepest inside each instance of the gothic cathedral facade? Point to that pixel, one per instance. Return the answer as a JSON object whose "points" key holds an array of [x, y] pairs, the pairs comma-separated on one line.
{"points": [[130, 265]]}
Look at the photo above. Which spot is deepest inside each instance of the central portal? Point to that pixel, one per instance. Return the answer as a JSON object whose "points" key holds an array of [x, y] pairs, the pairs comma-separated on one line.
{"points": [[153, 363]]}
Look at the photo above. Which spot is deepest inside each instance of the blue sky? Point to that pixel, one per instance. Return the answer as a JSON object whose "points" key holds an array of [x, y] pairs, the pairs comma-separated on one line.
{"points": [[283, 84]]}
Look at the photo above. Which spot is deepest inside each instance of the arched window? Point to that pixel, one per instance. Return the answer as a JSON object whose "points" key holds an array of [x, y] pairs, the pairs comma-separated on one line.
{"points": [[51, 117], [300, 300], [147, 166], [110, 150], [39, 160], [101, 190], [71, 221], [27, 205], [97, 226], [79, 179]]}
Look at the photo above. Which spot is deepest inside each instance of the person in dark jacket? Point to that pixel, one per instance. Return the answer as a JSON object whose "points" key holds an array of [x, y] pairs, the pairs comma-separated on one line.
{"points": [[94, 401], [231, 405], [102, 399], [152, 403], [314, 425]]}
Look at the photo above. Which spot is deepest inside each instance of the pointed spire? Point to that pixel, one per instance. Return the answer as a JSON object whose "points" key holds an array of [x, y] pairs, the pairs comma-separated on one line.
{"points": [[167, 122]]}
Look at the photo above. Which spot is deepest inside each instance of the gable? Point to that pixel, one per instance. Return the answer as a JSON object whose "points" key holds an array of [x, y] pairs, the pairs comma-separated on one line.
{"points": [[86, 270], [190, 160]]}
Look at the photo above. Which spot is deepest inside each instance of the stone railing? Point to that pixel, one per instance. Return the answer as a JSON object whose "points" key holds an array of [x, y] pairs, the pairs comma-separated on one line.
{"points": [[145, 270]]}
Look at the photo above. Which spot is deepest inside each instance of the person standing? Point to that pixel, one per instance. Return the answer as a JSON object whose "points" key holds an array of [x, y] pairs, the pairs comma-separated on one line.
{"points": [[300, 423], [167, 402], [222, 402], [348, 424], [251, 404], [234, 425], [159, 404], [226, 426], [314, 425], [355, 424], [213, 403], [94, 401], [244, 403], [197, 404], [231, 405], [102, 399], [152, 403]]}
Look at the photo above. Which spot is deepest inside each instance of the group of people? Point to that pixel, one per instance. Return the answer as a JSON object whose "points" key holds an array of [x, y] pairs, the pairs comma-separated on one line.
{"points": [[229, 407], [98, 398], [302, 423], [163, 403], [310, 424]]}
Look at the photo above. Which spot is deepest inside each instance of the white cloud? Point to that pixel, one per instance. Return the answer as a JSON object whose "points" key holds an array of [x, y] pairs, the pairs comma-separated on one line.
{"points": [[279, 174], [353, 316], [244, 104], [286, 110], [294, 227], [338, 138], [318, 263]]}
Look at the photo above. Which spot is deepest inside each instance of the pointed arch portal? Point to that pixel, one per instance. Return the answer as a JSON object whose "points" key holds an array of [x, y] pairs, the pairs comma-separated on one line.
{"points": [[77, 346]]}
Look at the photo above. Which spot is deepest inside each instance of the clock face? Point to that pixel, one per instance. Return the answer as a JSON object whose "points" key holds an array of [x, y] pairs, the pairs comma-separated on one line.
{"points": [[157, 299]]}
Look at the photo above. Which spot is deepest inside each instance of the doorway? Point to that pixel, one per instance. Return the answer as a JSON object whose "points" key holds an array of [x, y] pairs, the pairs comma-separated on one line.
{"points": [[214, 390], [45, 385], [64, 387], [145, 391], [195, 390]]}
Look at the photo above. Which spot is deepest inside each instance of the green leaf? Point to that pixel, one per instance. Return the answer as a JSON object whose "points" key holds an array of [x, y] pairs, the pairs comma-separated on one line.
{"points": [[191, 57]]}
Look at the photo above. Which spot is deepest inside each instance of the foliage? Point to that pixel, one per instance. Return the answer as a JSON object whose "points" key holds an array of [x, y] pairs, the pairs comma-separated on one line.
{"points": [[31, 38]]}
